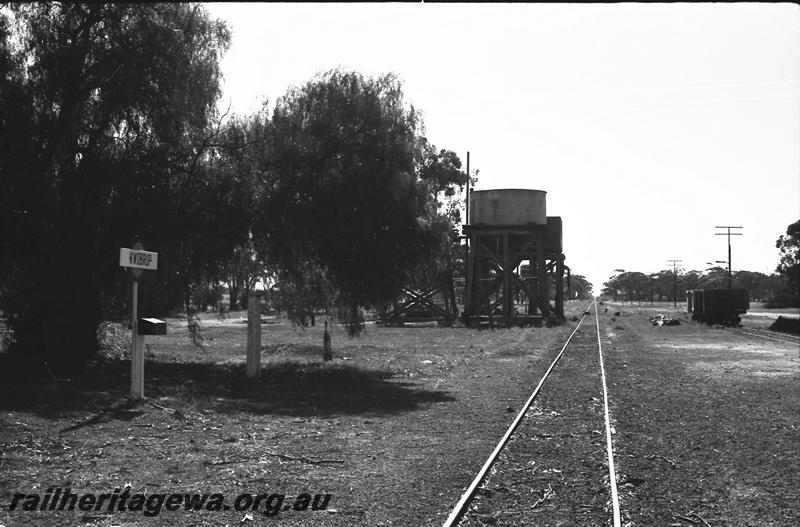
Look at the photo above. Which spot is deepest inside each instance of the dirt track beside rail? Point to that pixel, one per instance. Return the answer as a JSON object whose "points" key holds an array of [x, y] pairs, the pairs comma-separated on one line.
{"points": [[705, 422], [707, 427], [397, 426]]}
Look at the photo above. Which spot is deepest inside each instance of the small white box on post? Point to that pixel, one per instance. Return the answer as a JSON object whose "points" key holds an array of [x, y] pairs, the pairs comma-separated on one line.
{"points": [[253, 335]]}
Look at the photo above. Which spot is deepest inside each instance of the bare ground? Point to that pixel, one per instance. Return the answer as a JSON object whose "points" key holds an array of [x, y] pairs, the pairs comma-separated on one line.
{"points": [[397, 425]]}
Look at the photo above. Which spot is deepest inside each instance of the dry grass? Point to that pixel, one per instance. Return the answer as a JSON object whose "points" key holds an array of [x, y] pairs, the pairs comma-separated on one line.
{"points": [[392, 428], [395, 427]]}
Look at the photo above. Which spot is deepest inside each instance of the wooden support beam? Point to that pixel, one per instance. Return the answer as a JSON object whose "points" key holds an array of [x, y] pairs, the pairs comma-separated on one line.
{"points": [[523, 252], [424, 299], [530, 293], [493, 305], [560, 286], [493, 256], [419, 299], [471, 272], [508, 271], [502, 249], [483, 294], [544, 299]]}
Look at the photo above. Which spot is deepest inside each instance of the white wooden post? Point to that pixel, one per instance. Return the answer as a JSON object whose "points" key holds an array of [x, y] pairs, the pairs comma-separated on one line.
{"points": [[137, 259], [253, 335], [137, 354]]}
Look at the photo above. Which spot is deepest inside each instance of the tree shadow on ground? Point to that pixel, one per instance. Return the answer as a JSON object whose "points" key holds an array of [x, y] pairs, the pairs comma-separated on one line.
{"points": [[284, 388]]}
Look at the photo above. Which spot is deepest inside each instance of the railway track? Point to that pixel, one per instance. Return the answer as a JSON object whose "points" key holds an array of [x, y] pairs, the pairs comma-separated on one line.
{"points": [[585, 341], [786, 338]]}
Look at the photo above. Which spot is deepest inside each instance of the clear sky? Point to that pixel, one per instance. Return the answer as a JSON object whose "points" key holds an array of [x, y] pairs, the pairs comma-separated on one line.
{"points": [[647, 124]]}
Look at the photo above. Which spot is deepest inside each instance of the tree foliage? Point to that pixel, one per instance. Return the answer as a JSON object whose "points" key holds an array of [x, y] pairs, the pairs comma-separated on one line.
{"points": [[106, 115], [627, 285], [110, 136], [345, 198], [789, 266], [580, 288], [304, 294], [439, 171], [238, 156], [660, 287]]}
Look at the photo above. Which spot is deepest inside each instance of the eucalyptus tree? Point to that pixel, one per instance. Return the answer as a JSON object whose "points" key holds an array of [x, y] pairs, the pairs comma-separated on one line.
{"points": [[789, 266], [106, 115], [580, 287], [350, 196], [628, 285]]}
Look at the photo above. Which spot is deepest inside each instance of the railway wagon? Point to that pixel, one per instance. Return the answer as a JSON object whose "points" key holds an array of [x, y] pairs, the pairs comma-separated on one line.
{"points": [[717, 305]]}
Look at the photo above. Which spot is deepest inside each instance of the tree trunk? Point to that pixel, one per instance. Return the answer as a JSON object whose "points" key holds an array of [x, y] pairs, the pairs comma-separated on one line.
{"points": [[327, 353], [233, 293]]}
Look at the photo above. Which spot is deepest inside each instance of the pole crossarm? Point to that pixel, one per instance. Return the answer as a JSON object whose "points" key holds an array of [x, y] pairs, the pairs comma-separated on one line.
{"points": [[728, 234]]}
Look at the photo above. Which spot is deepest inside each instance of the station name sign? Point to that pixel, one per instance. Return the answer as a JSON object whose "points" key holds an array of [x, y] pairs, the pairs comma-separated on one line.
{"points": [[138, 259]]}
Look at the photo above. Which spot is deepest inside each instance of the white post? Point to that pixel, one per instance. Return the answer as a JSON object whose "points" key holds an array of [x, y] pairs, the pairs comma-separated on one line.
{"points": [[137, 354], [253, 336]]}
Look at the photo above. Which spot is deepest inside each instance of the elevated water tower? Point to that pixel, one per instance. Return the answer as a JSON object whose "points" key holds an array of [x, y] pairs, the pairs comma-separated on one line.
{"points": [[505, 228]]}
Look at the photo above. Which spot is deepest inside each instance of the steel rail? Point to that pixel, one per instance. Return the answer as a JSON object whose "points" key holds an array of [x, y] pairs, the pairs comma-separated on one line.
{"points": [[763, 334], [612, 476], [461, 507]]}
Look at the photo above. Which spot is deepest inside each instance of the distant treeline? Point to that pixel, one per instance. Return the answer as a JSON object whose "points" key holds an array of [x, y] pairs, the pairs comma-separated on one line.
{"points": [[780, 289], [634, 286]]}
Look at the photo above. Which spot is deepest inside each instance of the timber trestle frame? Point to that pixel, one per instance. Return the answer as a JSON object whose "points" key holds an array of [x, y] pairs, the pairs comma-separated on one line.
{"points": [[417, 301], [494, 290]]}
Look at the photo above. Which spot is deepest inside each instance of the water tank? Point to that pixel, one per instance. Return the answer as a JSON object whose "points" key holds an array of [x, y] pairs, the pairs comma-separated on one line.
{"points": [[508, 206]]}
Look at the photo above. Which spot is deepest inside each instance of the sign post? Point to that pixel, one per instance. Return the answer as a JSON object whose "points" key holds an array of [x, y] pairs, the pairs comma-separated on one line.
{"points": [[137, 343], [137, 259]]}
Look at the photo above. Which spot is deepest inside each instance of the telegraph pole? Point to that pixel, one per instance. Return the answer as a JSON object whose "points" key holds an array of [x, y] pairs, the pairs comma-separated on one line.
{"points": [[674, 281], [728, 234], [467, 260], [469, 184]]}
